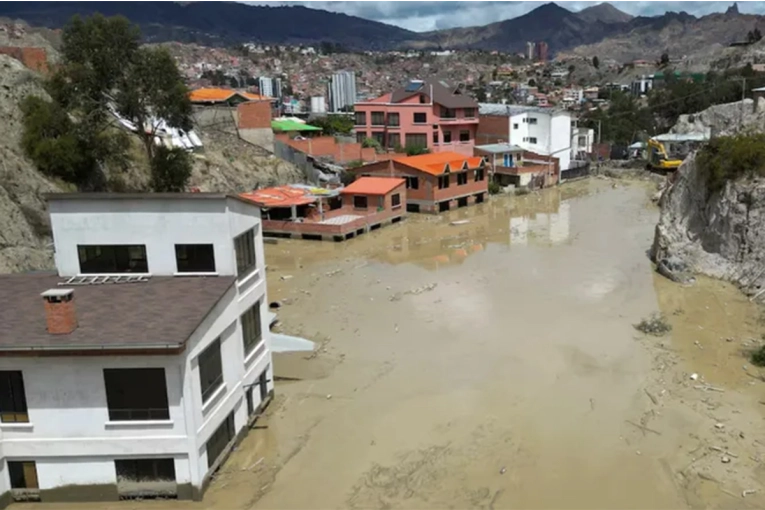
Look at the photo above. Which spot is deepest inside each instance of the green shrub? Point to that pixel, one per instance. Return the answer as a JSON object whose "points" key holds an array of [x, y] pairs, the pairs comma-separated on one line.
{"points": [[356, 163], [494, 188], [416, 150], [758, 357], [731, 157], [371, 143], [170, 169]]}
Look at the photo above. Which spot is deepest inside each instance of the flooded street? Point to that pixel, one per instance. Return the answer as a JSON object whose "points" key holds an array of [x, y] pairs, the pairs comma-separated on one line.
{"points": [[493, 364]]}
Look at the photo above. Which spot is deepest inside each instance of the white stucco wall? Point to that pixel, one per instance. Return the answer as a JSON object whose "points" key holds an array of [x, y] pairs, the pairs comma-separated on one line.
{"points": [[159, 224], [69, 435], [552, 131]]}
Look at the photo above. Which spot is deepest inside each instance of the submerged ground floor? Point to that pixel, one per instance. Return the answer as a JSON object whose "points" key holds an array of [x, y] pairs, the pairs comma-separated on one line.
{"points": [[493, 363]]}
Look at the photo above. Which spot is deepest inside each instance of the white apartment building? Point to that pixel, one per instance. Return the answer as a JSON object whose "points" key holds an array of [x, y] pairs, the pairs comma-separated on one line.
{"points": [[544, 131], [133, 369], [341, 90]]}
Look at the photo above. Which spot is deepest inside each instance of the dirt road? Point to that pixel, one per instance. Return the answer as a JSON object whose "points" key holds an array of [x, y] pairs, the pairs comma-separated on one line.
{"points": [[494, 365]]}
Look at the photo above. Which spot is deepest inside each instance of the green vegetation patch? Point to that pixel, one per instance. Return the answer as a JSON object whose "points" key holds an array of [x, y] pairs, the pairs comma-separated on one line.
{"points": [[732, 157]]}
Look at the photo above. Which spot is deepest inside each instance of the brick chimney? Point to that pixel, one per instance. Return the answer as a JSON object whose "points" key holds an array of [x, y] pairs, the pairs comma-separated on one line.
{"points": [[60, 314]]}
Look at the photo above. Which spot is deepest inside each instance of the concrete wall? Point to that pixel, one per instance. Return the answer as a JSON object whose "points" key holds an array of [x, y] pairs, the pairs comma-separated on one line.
{"points": [[158, 224], [254, 123]]}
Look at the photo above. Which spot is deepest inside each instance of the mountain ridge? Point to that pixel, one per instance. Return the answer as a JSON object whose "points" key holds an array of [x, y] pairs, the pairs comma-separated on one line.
{"points": [[596, 29]]}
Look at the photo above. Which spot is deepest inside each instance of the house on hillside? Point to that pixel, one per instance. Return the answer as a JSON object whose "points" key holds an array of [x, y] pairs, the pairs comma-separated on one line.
{"points": [[133, 369], [223, 97], [435, 182], [428, 114]]}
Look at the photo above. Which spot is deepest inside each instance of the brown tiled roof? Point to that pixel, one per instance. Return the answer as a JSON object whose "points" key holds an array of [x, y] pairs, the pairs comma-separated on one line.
{"points": [[162, 312], [443, 94]]}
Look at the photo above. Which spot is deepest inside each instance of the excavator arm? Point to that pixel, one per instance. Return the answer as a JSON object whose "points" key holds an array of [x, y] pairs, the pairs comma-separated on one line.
{"points": [[658, 159]]}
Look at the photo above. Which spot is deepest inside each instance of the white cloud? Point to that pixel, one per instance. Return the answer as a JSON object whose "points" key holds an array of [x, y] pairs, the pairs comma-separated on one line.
{"points": [[425, 16]]}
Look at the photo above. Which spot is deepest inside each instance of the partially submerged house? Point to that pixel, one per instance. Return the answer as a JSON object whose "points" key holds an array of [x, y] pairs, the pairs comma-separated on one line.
{"points": [[135, 367], [513, 165], [435, 182], [303, 212]]}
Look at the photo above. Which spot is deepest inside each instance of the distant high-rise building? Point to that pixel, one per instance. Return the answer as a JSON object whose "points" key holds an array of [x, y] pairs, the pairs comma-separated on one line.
{"points": [[541, 51], [266, 86], [341, 90], [530, 46], [277, 87]]}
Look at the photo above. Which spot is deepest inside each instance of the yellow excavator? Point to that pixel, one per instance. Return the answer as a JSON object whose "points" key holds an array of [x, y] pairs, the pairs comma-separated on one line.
{"points": [[658, 159]]}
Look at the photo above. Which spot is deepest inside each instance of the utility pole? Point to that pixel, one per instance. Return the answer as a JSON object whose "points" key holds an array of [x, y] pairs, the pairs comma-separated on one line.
{"points": [[599, 123], [743, 96]]}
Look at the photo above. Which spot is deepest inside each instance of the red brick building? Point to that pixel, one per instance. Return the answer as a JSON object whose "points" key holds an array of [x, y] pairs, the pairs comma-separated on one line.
{"points": [[435, 182]]}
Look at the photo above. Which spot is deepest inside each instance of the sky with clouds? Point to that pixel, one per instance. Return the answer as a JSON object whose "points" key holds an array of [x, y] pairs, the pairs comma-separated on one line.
{"points": [[424, 16]]}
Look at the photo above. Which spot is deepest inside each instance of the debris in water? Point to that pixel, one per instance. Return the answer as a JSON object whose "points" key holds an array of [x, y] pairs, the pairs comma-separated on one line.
{"points": [[460, 222], [286, 277], [274, 305], [503, 470], [694, 377], [329, 396], [719, 426], [747, 492], [655, 325], [725, 459]]}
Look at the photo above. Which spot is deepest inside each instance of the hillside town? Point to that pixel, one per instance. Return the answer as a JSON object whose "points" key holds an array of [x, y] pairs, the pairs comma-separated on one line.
{"points": [[304, 276]]}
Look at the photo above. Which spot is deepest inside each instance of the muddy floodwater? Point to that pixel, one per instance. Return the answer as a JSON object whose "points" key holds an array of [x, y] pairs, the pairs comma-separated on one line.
{"points": [[494, 364]]}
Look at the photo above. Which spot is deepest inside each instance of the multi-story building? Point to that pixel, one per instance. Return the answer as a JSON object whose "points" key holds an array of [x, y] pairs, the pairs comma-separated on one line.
{"points": [[541, 51], [435, 182], [266, 86], [341, 90], [270, 87], [543, 131], [135, 367], [530, 50], [425, 113]]}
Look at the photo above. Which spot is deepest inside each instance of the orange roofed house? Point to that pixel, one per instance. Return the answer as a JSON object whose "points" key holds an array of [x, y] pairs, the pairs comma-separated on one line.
{"points": [[435, 182], [316, 213]]}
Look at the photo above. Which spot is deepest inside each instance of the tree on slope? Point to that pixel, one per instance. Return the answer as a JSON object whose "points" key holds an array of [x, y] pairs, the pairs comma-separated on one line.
{"points": [[103, 68]]}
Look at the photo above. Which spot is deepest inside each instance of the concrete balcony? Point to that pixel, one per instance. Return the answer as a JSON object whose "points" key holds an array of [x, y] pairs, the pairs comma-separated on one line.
{"points": [[451, 121]]}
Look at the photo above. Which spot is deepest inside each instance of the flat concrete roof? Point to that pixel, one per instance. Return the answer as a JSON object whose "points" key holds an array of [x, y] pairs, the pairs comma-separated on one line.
{"points": [[50, 197]]}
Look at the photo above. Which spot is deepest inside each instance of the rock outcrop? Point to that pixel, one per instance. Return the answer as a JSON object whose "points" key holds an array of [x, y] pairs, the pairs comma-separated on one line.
{"points": [[720, 234]]}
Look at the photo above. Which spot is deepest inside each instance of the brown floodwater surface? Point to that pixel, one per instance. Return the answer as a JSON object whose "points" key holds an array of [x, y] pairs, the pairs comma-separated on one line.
{"points": [[493, 364]]}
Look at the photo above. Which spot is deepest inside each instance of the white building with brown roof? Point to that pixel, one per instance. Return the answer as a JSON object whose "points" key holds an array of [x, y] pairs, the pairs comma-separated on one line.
{"points": [[134, 368]]}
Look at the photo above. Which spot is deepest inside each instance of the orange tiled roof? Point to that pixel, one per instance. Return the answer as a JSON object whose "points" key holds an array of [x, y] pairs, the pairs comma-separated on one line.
{"points": [[373, 185], [206, 95], [436, 163], [280, 196]]}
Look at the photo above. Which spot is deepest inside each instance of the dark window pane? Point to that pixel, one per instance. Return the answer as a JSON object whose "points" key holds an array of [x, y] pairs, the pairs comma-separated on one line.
{"points": [[23, 475], [360, 202], [393, 119], [395, 200], [219, 439], [136, 394], [244, 244], [420, 118], [145, 470], [360, 118], [252, 334], [195, 258], [378, 118], [13, 402], [210, 370], [112, 258]]}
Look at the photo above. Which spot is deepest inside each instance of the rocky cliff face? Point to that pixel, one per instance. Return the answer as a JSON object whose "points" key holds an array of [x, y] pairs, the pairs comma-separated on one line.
{"points": [[721, 234]]}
